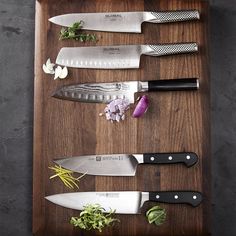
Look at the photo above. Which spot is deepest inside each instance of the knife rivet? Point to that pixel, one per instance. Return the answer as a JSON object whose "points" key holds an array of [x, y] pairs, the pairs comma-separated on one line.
{"points": [[188, 157], [152, 158], [170, 158], [176, 196], [194, 197], [157, 196]]}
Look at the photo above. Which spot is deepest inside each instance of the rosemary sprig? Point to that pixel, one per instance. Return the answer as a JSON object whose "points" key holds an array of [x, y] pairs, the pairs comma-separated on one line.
{"points": [[65, 176], [73, 32], [93, 217]]}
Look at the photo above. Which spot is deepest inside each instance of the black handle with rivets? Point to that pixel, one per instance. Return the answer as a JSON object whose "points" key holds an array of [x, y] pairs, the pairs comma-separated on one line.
{"points": [[192, 198], [188, 158], [173, 84]]}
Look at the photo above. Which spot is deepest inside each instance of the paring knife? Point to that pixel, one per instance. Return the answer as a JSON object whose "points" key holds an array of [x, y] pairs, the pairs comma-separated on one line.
{"points": [[106, 92], [123, 164], [123, 21], [117, 57], [124, 202]]}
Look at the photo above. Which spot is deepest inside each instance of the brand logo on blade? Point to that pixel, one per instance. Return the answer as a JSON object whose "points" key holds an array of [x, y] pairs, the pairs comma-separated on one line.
{"points": [[98, 158], [113, 17], [109, 158], [111, 51], [108, 195]]}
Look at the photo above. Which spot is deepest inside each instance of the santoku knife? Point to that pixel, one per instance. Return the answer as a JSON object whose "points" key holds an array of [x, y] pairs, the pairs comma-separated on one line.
{"points": [[124, 202], [106, 92], [122, 164], [123, 21], [117, 57]]}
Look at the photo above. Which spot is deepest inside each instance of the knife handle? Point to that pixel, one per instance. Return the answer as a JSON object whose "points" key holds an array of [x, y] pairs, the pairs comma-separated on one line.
{"points": [[169, 49], [172, 16], [192, 198], [188, 158], [173, 84]]}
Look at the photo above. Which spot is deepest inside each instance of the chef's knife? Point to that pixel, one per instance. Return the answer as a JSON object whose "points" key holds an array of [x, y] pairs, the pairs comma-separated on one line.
{"points": [[122, 164], [123, 21], [124, 202], [106, 92], [117, 57]]}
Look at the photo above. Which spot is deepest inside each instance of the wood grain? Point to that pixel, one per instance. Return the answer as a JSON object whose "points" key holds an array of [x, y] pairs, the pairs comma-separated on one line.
{"points": [[175, 121]]}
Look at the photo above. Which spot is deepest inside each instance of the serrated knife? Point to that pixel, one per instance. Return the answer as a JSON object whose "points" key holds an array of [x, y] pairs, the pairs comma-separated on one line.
{"points": [[122, 164], [106, 92], [123, 21], [117, 57], [124, 202]]}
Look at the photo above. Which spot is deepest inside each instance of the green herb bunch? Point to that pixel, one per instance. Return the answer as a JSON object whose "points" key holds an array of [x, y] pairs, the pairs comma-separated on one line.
{"points": [[93, 217], [156, 215], [74, 32]]}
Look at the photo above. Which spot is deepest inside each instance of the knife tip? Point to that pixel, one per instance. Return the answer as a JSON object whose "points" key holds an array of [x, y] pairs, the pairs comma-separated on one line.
{"points": [[56, 94]]}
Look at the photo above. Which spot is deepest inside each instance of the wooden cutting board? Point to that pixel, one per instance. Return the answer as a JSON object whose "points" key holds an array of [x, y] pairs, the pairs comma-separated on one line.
{"points": [[175, 121]]}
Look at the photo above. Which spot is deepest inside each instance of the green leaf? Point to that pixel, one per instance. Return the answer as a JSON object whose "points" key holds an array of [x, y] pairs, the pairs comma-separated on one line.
{"points": [[156, 215]]}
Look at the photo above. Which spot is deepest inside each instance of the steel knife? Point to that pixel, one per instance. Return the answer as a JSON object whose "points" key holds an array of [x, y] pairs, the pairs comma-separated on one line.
{"points": [[117, 57], [124, 202], [123, 21], [106, 92], [122, 164]]}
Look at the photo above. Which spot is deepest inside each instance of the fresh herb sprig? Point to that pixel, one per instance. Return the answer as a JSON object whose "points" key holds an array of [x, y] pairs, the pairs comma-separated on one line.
{"points": [[156, 215], [73, 32], [65, 176], [93, 217]]}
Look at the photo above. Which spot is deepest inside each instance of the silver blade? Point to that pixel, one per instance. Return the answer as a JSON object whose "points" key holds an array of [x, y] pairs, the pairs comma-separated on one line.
{"points": [[109, 57], [124, 202], [99, 92], [112, 165], [112, 21]]}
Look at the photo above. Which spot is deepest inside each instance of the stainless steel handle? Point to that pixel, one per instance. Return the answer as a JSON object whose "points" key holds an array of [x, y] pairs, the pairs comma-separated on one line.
{"points": [[169, 49], [173, 16]]}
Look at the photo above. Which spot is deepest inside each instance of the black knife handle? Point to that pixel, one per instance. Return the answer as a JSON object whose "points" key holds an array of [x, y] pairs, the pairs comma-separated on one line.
{"points": [[188, 158], [192, 198], [173, 84]]}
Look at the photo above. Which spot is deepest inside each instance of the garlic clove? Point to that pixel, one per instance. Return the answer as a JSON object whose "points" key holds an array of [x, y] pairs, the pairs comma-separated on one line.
{"points": [[58, 72], [64, 73]]}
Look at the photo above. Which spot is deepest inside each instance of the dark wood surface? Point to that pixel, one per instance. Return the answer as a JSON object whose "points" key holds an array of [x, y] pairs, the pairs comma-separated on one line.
{"points": [[175, 121]]}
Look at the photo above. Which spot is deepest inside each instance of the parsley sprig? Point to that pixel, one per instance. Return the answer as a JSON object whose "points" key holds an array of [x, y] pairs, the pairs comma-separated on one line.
{"points": [[74, 32], [93, 217]]}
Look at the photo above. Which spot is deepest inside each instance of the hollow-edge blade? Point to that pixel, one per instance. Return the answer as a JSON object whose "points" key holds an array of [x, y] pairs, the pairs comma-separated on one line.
{"points": [[98, 92], [100, 57]]}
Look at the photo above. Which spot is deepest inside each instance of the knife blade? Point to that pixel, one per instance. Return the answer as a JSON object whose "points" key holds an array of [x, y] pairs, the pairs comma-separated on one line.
{"points": [[122, 164], [123, 21], [117, 57], [124, 202], [106, 92]]}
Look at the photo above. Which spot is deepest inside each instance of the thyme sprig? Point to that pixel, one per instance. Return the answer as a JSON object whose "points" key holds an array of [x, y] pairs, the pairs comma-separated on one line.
{"points": [[65, 176], [74, 32], [93, 217]]}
